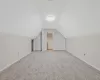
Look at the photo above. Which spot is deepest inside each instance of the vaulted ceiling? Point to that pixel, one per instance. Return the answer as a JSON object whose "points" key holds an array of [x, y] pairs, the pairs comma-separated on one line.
{"points": [[28, 17]]}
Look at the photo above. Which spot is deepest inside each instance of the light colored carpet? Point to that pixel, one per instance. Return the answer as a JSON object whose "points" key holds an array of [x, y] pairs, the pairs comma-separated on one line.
{"points": [[51, 65]]}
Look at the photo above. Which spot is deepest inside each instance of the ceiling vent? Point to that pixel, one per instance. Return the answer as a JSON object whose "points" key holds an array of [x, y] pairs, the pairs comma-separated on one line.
{"points": [[50, 0]]}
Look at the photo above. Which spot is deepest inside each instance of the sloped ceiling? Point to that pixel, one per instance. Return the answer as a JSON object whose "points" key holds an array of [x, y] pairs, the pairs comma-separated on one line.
{"points": [[27, 17], [19, 17], [81, 17]]}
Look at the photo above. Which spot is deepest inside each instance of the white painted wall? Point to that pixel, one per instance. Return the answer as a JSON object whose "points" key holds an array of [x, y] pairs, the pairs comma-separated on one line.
{"points": [[58, 40], [87, 48], [44, 40], [13, 48], [19, 17], [37, 44], [80, 23]]}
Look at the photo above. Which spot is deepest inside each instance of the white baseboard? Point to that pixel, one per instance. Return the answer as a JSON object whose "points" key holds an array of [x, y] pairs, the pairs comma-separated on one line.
{"points": [[92, 66], [12, 63]]}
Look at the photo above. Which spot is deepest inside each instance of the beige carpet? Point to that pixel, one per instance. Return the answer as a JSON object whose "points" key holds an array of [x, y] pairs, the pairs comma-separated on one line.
{"points": [[58, 65]]}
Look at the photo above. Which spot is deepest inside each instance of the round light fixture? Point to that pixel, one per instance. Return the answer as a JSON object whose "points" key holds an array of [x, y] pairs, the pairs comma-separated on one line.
{"points": [[50, 18]]}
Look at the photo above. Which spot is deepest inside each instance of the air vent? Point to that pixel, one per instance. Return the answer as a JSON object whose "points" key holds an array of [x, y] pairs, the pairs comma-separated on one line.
{"points": [[50, 0]]}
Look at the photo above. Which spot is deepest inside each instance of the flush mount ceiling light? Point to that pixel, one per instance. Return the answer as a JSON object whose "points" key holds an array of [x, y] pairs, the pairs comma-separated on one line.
{"points": [[50, 18]]}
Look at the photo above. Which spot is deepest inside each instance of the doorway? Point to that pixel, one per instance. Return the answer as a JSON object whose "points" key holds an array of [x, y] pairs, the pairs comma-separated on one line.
{"points": [[49, 41], [32, 45]]}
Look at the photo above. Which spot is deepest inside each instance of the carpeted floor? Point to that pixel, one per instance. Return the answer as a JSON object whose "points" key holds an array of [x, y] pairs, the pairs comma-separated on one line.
{"points": [[50, 65]]}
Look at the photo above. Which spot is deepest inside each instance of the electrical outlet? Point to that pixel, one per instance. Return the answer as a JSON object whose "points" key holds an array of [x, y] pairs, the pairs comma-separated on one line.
{"points": [[85, 54]]}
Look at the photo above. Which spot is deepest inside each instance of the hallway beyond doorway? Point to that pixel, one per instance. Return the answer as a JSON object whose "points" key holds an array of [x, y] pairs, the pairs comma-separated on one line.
{"points": [[49, 41]]}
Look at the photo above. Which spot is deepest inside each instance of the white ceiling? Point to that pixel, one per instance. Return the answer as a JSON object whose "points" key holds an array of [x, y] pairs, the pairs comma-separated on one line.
{"points": [[27, 17], [73, 17], [81, 18], [50, 7]]}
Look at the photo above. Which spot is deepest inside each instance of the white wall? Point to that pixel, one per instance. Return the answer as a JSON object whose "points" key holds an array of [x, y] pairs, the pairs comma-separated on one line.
{"points": [[44, 40], [87, 48], [37, 44], [58, 40], [13, 48], [19, 17], [80, 23], [80, 17]]}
